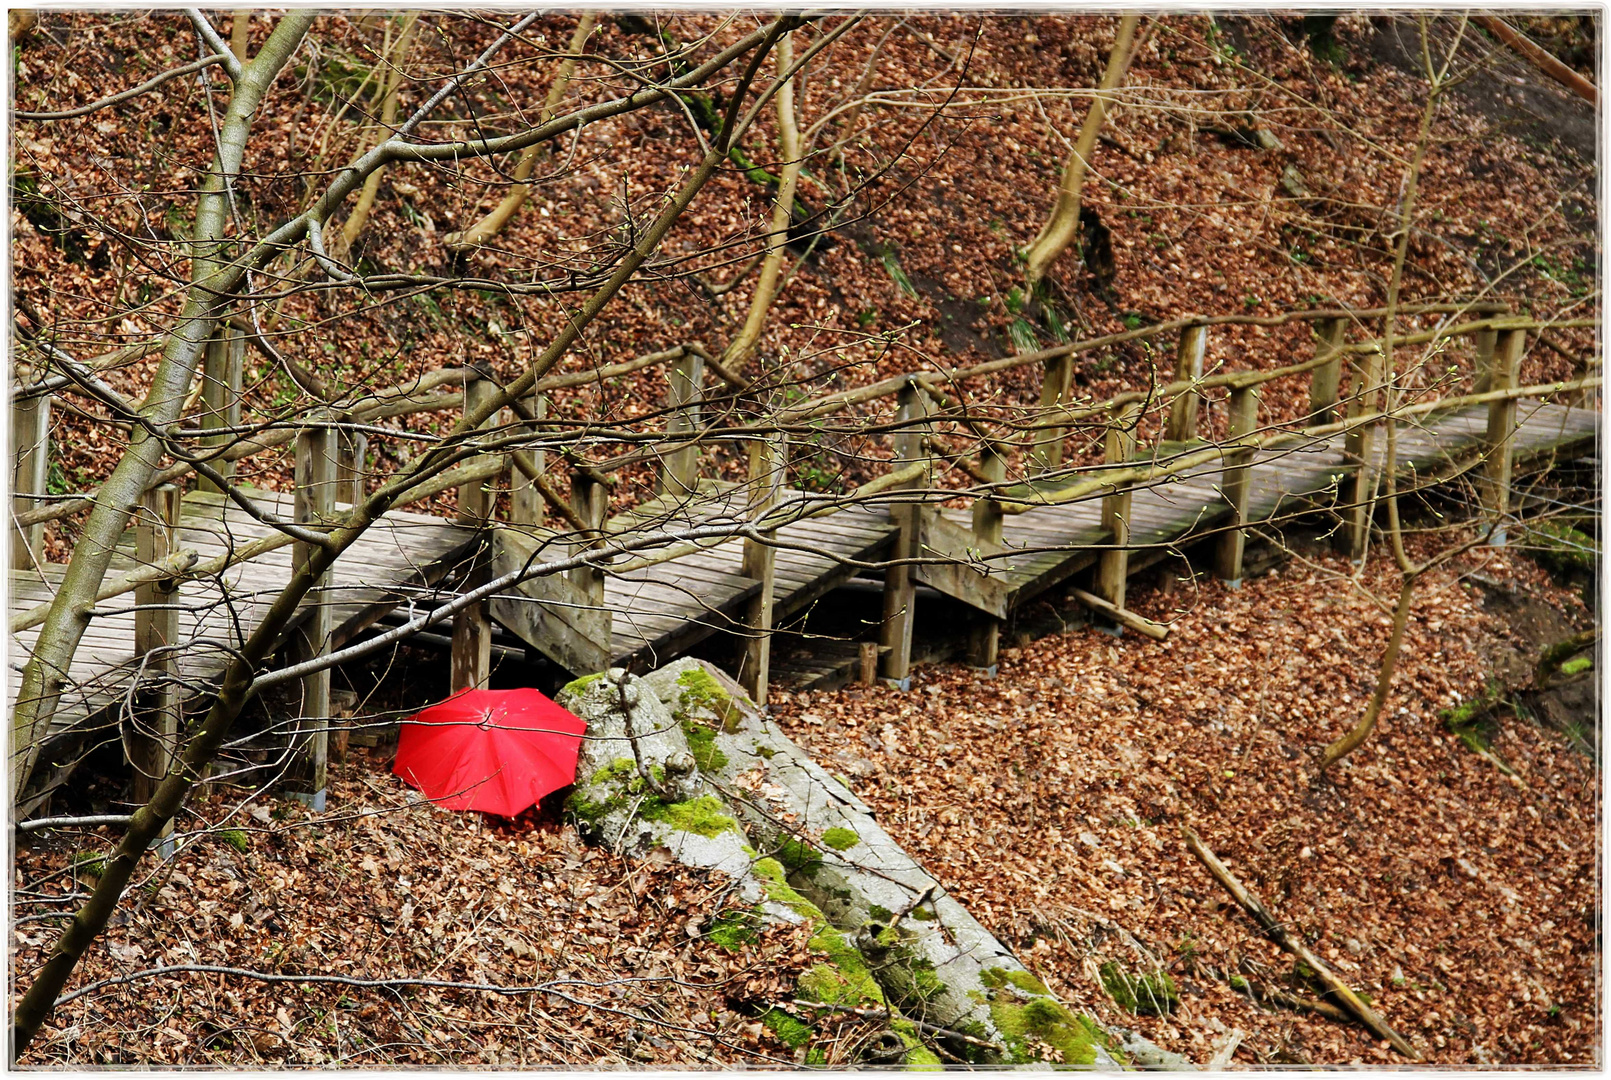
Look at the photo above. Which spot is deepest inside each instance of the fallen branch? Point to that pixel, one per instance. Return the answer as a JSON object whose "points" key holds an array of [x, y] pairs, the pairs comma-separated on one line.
{"points": [[1276, 932], [1156, 631], [1540, 59], [1264, 993]]}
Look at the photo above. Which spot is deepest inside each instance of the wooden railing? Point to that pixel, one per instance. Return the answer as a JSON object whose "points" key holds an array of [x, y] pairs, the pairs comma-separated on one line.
{"points": [[1345, 387]]}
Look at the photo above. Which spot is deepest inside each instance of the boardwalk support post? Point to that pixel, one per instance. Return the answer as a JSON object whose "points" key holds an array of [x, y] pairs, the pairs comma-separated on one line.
{"points": [[768, 464], [221, 398], [1046, 453], [1244, 418], [30, 471], [1188, 365], [1354, 495], [470, 657], [526, 504], [1113, 565], [315, 504], [984, 642], [154, 739], [899, 612], [1499, 444], [1326, 380], [680, 467], [590, 499]]}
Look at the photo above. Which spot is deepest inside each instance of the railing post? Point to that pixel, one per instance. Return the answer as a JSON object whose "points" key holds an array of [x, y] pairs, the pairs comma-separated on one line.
{"points": [[221, 396], [984, 641], [30, 473], [470, 656], [352, 449], [1355, 491], [1483, 362], [896, 634], [769, 459], [526, 504], [591, 501], [1047, 452], [1234, 484], [1113, 565], [1326, 380], [680, 467], [156, 632], [315, 504], [1499, 442], [1188, 365]]}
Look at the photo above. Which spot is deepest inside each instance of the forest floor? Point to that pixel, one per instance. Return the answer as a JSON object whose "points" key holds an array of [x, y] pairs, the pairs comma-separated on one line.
{"points": [[1047, 799]]}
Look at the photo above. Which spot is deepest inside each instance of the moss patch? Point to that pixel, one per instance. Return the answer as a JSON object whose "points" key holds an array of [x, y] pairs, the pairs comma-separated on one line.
{"points": [[790, 1030], [799, 857], [702, 744], [705, 815], [842, 839], [700, 692], [732, 930], [578, 687], [843, 977], [1154, 994], [918, 1056], [996, 978], [1042, 1029]]}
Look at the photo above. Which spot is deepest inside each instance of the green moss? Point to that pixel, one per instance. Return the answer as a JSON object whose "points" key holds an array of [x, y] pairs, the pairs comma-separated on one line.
{"points": [[702, 744], [880, 914], [705, 815], [732, 930], [1043, 1021], [996, 978], [800, 857], [765, 751], [918, 1056], [790, 1030], [1577, 664], [578, 687], [923, 913], [1239, 984], [843, 977], [1154, 994], [840, 839], [702, 693], [89, 863], [236, 839], [1560, 547]]}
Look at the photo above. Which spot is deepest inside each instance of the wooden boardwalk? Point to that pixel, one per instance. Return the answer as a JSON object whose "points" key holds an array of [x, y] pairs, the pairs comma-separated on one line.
{"points": [[661, 611]]}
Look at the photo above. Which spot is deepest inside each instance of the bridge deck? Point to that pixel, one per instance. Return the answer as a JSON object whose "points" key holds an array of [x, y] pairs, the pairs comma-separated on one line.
{"points": [[663, 610]]}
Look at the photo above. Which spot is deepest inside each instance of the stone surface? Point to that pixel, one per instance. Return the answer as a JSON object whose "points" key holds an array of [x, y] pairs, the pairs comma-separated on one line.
{"points": [[935, 962]]}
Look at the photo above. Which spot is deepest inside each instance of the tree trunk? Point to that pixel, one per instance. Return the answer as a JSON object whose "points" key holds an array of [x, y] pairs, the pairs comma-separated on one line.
{"points": [[494, 222], [46, 670], [1384, 681], [742, 347], [1064, 223]]}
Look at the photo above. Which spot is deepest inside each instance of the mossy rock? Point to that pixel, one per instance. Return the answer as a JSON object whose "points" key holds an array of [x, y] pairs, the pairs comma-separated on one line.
{"points": [[1152, 994], [699, 692], [1042, 1029]]}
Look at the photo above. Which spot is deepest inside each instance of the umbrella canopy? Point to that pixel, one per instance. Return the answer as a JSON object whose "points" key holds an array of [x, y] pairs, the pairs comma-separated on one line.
{"points": [[493, 750]]}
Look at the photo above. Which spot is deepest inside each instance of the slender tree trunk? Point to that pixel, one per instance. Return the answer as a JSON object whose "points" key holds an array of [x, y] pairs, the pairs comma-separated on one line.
{"points": [[395, 58], [1064, 223], [500, 216], [741, 348], [1391, 401], [45, 673], [1384, 681]]}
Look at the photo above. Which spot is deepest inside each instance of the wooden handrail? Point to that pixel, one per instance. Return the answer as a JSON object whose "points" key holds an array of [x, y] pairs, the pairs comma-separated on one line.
{"points": [[1139, 474]]}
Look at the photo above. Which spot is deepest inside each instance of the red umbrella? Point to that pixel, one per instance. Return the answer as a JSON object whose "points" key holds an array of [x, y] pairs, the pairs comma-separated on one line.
{"points": [[493, 750]]}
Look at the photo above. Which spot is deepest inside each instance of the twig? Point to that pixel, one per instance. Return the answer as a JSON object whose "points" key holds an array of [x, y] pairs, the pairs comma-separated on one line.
{"points": [[1278, 933]]}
